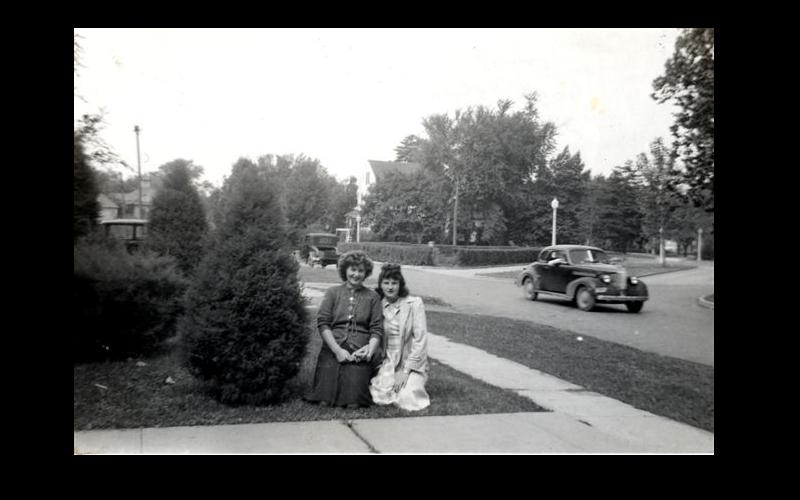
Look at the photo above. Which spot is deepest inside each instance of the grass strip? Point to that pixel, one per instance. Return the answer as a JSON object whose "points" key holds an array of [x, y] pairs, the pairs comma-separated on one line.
{"points": [[670, 387], [122, 394]]}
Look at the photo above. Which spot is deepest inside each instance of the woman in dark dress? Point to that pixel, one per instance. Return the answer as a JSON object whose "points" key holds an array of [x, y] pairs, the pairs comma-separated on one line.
{"points": [[350, 318]]}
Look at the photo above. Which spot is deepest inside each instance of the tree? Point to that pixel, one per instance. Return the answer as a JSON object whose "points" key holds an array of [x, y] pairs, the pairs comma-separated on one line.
{"points": [[178, 222], [688, 80], [343, 199], [85, 207], [244, 334], [658, 201], [490, 156], [619, 215], [407, 207]]}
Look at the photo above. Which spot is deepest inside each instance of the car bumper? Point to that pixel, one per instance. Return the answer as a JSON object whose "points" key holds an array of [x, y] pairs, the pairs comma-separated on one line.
{"points": [[620, 298]]}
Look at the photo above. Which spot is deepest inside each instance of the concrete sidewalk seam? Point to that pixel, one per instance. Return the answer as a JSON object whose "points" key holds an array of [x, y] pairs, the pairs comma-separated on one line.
{"points": [[351, 425]]}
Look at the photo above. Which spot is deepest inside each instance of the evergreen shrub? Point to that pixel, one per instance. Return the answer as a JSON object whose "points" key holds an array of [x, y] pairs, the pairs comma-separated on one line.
{"points": [[244, 333]]}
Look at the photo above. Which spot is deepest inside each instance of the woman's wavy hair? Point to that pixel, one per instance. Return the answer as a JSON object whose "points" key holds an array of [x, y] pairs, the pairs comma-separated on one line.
{"points": [[354, 258], [392, 272]]}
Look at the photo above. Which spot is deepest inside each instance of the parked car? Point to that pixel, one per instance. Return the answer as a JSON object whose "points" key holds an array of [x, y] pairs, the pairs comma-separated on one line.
{"points": [[582, 274], [319, 248], [132, 232]]}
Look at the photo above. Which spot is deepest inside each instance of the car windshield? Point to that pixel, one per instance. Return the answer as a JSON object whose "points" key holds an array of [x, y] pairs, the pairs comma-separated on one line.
{"points": [[589, 257]]}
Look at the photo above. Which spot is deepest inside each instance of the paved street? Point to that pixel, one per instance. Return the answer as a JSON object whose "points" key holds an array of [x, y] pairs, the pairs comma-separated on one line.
{"points": [[671, 322]]}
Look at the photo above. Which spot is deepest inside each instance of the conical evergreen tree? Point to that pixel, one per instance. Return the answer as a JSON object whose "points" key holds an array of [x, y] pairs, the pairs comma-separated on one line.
{"points": [[177, 221], [245, 333]]}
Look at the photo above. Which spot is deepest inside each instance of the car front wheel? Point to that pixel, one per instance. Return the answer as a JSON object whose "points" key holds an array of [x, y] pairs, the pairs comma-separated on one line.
{"points": [[634, 307], [584, 299], [527, 288]]}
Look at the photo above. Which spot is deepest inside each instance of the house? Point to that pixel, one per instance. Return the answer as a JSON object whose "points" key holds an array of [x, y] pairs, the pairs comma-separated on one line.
{"points": [[109, 209], [128, 203]]}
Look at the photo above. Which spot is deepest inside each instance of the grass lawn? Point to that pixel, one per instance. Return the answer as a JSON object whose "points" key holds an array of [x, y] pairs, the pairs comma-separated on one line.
{"points": [[670, 387], [134, 396]]}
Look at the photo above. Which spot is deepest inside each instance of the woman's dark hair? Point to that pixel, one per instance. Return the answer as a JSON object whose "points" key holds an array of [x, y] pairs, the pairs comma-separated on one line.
{"points": [[392, 272], [354, 258]]}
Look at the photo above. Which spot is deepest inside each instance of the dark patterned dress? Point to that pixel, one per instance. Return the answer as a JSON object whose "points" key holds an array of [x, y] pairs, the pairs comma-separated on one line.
{"points": [[354, 316]]}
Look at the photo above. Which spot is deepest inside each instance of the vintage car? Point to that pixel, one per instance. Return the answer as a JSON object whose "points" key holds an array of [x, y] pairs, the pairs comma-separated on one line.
{"points": [[582, 274], [132, 232], [319, 248]]}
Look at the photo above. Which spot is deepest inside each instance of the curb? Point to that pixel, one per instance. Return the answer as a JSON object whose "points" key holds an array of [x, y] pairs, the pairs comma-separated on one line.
{"points": [[703, 302]]}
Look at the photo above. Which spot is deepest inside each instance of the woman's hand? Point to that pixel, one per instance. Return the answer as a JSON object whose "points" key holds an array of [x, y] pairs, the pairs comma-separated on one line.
{"points": [[343, 356], [400, 380], [360, 354]]}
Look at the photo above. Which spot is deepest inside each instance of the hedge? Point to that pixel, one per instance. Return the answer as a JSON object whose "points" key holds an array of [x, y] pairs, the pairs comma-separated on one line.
{"points": [[123, 305], [443, 255]]}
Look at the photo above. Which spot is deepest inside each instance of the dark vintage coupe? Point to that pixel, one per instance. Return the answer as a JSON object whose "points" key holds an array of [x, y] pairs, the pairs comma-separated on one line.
{"points": [[584, 275]]}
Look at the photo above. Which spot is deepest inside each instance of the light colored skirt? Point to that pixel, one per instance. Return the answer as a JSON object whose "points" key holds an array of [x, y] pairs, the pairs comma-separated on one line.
{"points": [[411, 397]]}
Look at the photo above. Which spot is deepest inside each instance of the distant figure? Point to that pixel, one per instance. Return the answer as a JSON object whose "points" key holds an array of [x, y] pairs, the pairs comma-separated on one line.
{"points": [[350, 321], [556, 257], [402, 376]]}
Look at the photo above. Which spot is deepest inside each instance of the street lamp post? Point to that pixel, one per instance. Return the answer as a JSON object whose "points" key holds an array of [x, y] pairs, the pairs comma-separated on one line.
{"points": [[699, 244], [554, 204], [139, 163]]}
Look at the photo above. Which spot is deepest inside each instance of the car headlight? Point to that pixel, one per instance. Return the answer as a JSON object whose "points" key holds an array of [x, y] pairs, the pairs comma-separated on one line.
{"points": [[634, 280], [605, 278]]}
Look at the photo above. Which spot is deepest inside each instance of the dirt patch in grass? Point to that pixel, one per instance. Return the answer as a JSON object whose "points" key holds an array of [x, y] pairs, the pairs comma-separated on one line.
{"points": [[124, 395], [671, 387]]}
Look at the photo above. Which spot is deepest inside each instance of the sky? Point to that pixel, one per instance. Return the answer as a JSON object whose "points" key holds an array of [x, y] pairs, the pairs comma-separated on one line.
{"points": [[346, 96]]}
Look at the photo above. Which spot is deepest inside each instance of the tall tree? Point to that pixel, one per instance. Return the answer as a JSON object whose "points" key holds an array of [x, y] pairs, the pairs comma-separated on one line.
{"points": [[489, 155], [245, 325], [658, 201], [178, 222], [85, 207], [688, 81], [409, 208], [619, 214]]}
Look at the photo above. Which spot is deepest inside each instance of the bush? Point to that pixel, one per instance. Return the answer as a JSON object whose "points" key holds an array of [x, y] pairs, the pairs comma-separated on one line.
{"points": [[124, 305], [400, 253], [244, 334]]}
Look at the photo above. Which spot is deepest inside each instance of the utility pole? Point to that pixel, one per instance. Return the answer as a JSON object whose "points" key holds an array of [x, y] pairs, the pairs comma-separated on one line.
{"points": [[661, 257], [139, 163]]}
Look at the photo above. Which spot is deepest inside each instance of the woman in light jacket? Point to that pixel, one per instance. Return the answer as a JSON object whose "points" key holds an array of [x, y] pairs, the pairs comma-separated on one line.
{"points": [[402, 376]]}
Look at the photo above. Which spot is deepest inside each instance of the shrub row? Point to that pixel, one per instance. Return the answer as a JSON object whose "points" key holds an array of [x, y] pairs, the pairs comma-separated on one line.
{"points": [[495, 256], [443, 255], [416, 255], [124, 305]]}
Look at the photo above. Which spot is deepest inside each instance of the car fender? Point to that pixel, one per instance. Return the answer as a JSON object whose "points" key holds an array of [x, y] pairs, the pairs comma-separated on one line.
{"points": [[639, 289], [522, 275], [575, 284]]}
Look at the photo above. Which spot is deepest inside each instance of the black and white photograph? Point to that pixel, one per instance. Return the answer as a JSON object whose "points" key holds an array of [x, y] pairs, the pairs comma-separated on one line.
{"points": [[393, 241]]}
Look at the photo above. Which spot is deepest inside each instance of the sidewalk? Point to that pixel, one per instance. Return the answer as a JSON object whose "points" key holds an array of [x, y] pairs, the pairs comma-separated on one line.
{"points": [[580, 421]]}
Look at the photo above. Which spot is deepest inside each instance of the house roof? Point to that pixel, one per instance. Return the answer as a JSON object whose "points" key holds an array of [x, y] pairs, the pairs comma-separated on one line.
{"points": [[382, 168]]}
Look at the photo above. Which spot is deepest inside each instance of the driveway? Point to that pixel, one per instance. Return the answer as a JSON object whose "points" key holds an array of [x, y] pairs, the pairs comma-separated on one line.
{"points": [[671, 322]]}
